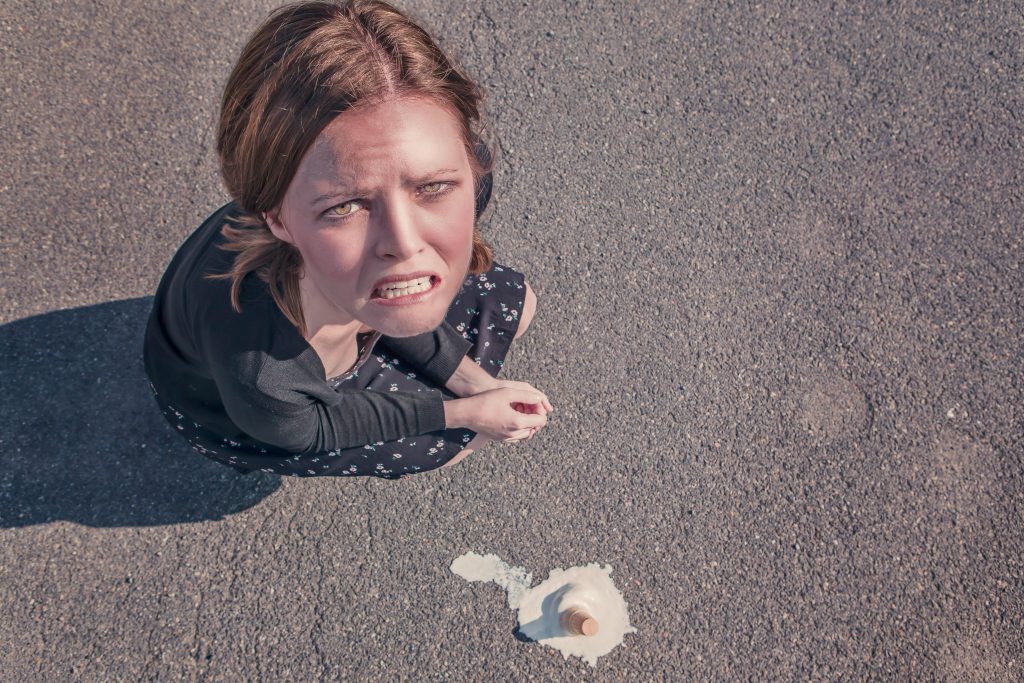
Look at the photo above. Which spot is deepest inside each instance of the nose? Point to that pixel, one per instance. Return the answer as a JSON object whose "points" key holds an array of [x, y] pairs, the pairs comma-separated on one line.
{"points": [[397, 229]]}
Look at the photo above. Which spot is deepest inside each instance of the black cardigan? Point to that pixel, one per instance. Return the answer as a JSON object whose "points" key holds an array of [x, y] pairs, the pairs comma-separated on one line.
{"points": [[252, 375]]}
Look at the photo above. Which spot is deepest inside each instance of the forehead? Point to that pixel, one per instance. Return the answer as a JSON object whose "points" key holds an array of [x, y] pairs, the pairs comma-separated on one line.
{"points": [[399, 136]]}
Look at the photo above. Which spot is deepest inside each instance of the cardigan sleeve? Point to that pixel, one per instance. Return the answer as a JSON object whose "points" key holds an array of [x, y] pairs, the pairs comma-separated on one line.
{"points": [[277, 412], [272, 388]]}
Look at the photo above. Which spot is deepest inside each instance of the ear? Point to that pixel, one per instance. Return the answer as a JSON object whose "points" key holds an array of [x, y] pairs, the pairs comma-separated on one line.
{"points": [[273, 220], [483, 189]]}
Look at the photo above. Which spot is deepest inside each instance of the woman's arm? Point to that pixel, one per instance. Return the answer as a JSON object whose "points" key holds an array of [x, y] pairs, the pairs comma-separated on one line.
{"points": [[470, 379]]}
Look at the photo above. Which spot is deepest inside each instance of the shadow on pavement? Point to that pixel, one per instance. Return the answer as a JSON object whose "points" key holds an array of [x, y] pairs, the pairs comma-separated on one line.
{"points": [[546, 625], [82, 439]]}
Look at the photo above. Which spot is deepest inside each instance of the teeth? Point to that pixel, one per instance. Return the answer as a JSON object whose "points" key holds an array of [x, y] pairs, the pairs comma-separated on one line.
{"points": [[398, 289]]}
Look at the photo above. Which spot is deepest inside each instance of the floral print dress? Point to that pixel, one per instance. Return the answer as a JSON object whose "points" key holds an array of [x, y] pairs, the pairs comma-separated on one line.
{"points": [[486, 311]]}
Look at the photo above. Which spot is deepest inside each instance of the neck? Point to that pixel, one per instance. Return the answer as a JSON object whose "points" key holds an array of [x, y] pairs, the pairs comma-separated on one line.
{"points": [[323, 320]]}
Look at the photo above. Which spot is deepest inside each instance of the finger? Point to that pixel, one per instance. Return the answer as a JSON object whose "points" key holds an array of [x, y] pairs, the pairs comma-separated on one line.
{"points": [[529, 408], [541, 404], [534, 420], [531, 396], [517, 436], [534, 396]]}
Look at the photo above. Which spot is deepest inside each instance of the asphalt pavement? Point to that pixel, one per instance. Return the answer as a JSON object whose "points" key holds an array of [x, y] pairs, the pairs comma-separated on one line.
{"points": [[777, 250]]}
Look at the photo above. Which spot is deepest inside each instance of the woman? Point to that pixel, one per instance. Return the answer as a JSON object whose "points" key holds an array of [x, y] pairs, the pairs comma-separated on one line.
{"points": [[315, 324]]}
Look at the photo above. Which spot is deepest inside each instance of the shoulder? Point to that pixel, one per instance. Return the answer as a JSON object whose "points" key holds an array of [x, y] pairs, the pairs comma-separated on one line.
{"points": [[206, 282]]}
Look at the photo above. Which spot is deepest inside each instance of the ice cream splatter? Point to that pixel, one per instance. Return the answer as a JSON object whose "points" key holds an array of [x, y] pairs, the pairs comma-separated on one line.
{"points": [[515, 580], [552, 610]]}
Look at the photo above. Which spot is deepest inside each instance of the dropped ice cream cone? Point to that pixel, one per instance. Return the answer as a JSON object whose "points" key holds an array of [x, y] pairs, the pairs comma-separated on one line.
{"points": [[574, 602], [577, 622]]}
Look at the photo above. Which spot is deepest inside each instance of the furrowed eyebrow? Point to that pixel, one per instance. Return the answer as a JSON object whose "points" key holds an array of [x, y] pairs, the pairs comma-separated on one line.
{"points": [[341, 192], [433, 174]]}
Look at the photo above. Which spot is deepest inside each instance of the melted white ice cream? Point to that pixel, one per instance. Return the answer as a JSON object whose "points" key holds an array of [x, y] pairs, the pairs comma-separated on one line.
{"points": [[514, 580], [589, 588]]}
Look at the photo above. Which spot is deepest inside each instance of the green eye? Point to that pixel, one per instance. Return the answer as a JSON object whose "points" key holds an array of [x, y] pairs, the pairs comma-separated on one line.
{"points": [[347, 213], [438, 185]]}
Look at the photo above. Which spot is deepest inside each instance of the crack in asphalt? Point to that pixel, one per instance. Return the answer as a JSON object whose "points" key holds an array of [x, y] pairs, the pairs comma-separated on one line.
{"points": [[317, 628], [271, 513], [150, 655], [195, 636], [369, 522]]}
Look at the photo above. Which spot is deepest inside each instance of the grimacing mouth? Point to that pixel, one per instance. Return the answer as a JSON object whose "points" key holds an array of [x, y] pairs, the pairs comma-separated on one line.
{"points": [[434, 279]]}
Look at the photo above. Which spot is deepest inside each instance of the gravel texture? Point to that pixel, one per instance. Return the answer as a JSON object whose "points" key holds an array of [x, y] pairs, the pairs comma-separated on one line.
{"points": [[777, 251]]}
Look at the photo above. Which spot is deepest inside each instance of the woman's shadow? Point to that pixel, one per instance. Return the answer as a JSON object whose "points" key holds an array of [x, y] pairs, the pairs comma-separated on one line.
{"points": [[82, 438]]}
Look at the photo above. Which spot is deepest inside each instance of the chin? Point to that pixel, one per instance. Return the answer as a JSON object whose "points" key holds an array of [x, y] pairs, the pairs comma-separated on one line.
{"points": [[410, 326]]}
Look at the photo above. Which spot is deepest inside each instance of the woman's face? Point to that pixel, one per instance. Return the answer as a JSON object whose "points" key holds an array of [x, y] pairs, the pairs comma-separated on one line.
{"points": [[386, 190]]}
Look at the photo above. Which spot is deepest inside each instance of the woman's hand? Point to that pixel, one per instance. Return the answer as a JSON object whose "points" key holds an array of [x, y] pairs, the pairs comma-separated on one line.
{"points": [[543, 408], [505, 413], [509, 384], [470, 379]]}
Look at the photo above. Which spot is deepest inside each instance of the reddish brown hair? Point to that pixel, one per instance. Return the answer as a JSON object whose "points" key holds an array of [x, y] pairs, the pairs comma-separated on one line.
{"points": [[306, 64]]}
